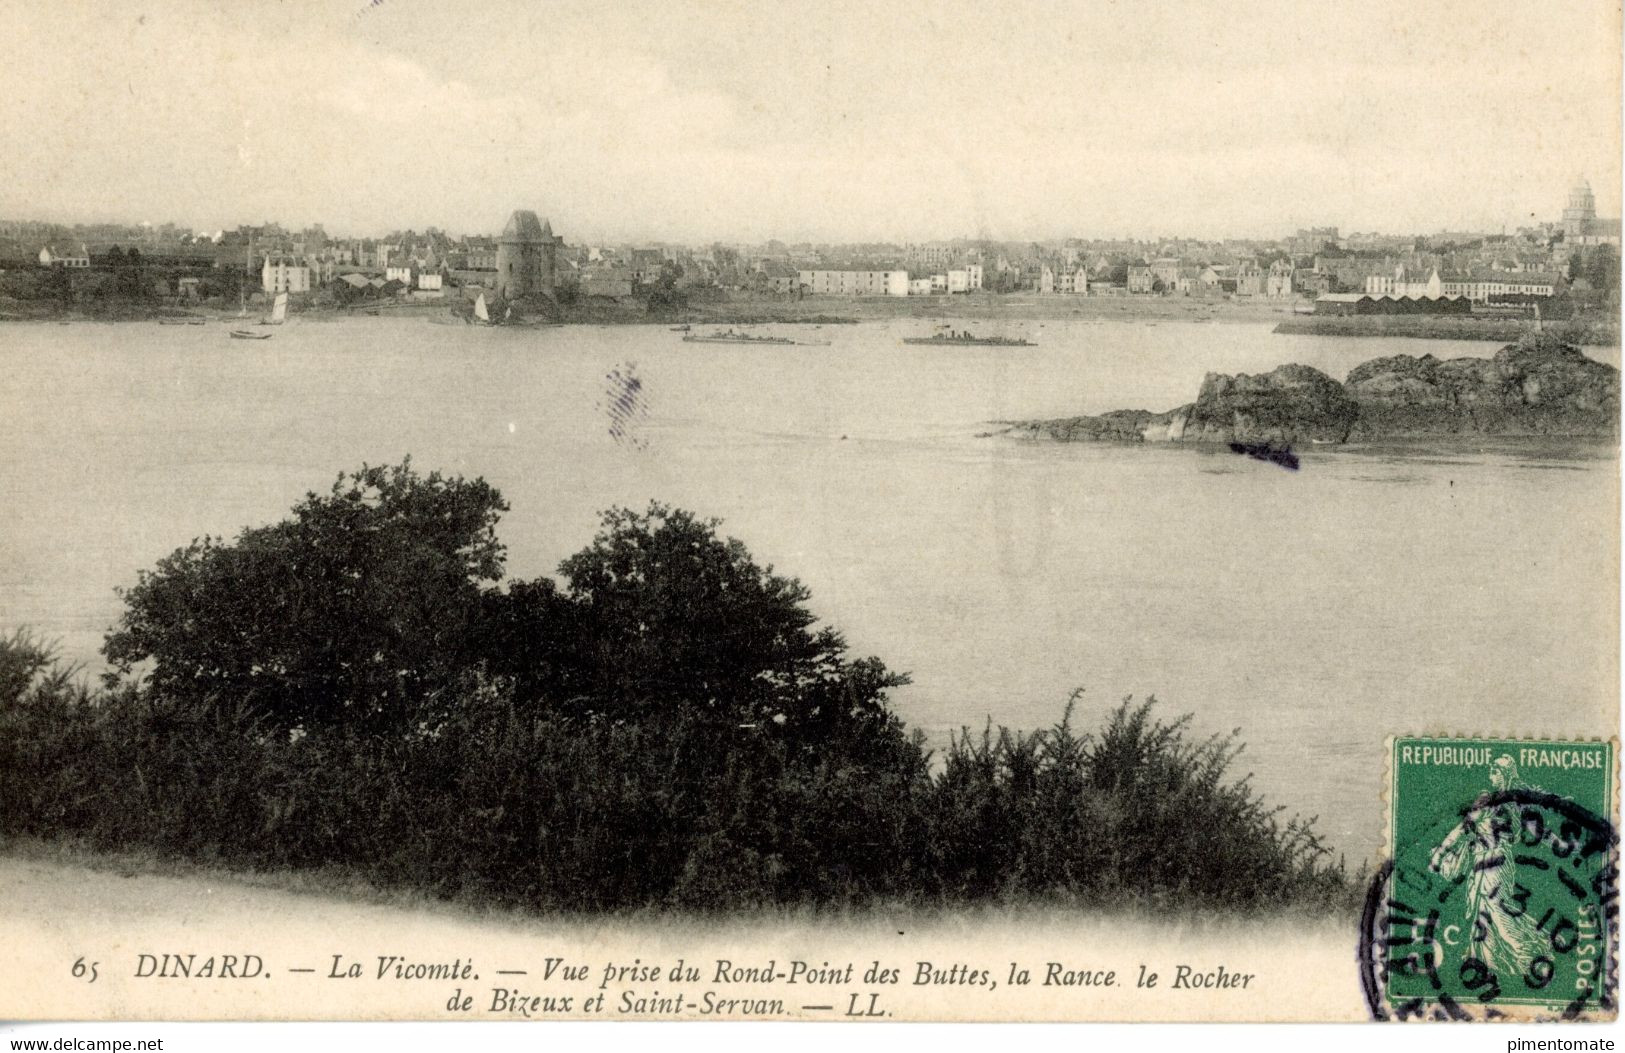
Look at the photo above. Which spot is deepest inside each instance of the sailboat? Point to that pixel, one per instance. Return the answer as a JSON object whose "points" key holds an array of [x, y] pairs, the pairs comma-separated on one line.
{"points": [[279, 310], [482, 316]]}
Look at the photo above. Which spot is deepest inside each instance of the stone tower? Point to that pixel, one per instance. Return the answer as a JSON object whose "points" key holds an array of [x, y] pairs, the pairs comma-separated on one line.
{"points": [[1581, 210], [527, 257]]}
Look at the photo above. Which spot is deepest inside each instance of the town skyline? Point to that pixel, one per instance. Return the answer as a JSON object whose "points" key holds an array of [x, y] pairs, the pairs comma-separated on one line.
{"points": [[1549, 220], [831, 125]]}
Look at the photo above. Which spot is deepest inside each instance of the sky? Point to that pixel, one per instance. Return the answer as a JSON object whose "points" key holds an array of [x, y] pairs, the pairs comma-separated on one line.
{"points": [[743, 120]]}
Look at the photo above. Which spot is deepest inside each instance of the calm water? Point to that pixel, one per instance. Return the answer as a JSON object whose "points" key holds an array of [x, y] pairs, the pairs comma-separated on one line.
{"points": [[1318, 611]]}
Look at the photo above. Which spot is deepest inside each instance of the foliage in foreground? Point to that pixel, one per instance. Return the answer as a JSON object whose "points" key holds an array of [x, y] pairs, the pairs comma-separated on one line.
{"points": [[354, 687], [675, 810]]}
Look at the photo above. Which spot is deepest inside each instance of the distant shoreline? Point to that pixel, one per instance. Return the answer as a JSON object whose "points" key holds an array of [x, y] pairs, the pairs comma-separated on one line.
{"points": [[994, 310], [753, 310], [991, 307], [1591, 332]]}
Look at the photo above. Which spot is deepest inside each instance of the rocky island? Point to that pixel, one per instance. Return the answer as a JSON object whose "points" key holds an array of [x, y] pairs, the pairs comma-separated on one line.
{"points": [[1539, 386]]}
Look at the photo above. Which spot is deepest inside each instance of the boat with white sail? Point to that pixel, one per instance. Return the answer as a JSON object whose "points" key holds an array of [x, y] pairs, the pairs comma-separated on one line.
{"points": [[279, 310]]}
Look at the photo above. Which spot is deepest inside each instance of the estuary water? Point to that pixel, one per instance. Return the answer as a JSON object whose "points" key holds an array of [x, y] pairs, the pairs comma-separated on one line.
{"points": [[1452, 590]]}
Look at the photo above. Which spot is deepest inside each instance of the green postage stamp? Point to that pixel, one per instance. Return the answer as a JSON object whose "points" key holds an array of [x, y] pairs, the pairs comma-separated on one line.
{"points": [[1498, 899]]}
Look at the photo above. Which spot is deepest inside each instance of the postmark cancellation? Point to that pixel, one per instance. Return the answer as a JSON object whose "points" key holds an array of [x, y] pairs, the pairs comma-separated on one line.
{"points": [[1498, 895]]}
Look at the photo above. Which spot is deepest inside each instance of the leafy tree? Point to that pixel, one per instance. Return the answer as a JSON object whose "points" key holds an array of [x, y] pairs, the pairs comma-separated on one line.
{"points": [[1002, 281], [664, 295], [1602, 270], [129, 283], [22, 659], [360, 610], [661, 612], [57, 285]]}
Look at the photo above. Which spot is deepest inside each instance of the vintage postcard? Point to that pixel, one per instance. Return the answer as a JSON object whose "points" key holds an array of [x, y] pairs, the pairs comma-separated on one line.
{"points": [[810, 512]]}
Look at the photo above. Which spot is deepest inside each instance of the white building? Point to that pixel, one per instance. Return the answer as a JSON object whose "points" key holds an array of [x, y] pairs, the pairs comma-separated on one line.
{"points": [[1072, 280], [1278, 284], [965, 279], [1405, 283], [427, 280], [323, 268], [1483, 288], [63, 256], [932, 254], [284, 274], [854, 283]]}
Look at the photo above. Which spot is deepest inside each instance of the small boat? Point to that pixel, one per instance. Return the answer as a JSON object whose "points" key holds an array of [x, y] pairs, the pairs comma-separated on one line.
{"points": [[731, 337], [482, 314], [244, 334], [966, 338], [1268, 452], [180, 321], [279, 310], [681, 328]]}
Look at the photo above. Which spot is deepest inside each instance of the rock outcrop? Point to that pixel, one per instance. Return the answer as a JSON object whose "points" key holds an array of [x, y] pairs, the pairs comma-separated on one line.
{"points": [[1290, 404], [1116, 426], [1538, 386]]}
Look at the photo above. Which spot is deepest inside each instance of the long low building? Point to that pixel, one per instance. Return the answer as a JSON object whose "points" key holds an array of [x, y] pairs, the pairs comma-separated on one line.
{"points": [[854, 283], [1365, 303], [1484, 288]]}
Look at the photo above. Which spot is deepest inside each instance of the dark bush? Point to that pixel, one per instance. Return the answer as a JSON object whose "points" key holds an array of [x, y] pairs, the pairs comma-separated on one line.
{"points": [[1136, 809], [361, 610], [670, 728], [677, 809], [660, 611]]}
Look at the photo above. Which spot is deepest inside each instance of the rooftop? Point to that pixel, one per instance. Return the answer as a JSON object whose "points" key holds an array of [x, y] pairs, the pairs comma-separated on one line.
{"points": [[524, 225]]}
